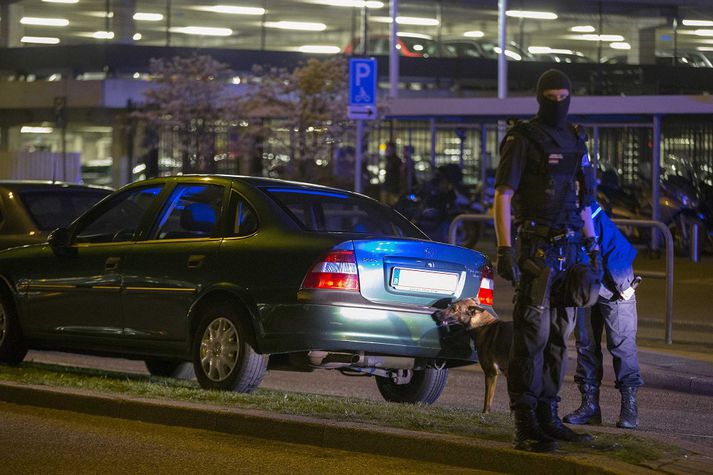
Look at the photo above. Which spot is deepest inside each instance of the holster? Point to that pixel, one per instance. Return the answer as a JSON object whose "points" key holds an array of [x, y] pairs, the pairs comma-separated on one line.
{"points": [[539, 284]]}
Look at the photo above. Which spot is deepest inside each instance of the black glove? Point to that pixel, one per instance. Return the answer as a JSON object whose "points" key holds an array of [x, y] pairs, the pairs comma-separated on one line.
{"points": [[595, 257], [507, 265]]}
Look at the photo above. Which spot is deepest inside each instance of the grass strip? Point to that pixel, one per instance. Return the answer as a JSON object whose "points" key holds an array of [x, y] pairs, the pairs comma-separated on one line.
{"points": [[624, 447]]}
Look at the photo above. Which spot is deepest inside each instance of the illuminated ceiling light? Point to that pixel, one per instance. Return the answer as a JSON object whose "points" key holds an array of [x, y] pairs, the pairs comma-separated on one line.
{"points": [[407, 20], [148, 16], [29, 20], [137, 36], [474, 34], [103, 35], [539, 49], [233, 10], [319, 49], [296, 25], [697, 23], [609, 38], [703, 32], [583, 29], [350, 3], [26, 129], [61, 1], [203, 30], [620, 45], [101, 14], [531, 14], [705, 48], [236, 80], [40, 40], [408, 34]]}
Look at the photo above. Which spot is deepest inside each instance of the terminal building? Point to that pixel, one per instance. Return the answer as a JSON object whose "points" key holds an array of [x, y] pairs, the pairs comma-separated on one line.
{"points": [[73, 72]]}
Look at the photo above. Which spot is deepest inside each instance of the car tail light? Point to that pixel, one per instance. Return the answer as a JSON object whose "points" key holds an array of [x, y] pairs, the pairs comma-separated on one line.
{"points": [[337, 271], [485, 294]]}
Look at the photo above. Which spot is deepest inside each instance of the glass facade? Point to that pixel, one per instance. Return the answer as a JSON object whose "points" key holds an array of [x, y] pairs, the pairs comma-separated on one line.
{"points": [[557, 31]]}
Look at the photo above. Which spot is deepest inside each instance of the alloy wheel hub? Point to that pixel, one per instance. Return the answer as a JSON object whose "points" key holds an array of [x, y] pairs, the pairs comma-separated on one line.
{"points": [[219, 349]]}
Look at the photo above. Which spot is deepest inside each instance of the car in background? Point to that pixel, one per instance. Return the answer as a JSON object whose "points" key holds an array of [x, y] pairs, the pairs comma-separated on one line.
{"points": [[474, 48], [238, 273], [561, 56], [412, 45], [29, 210]]}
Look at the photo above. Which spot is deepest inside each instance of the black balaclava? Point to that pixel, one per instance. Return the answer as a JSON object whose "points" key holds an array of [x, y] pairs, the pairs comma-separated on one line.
{"points": [[551, 112]]}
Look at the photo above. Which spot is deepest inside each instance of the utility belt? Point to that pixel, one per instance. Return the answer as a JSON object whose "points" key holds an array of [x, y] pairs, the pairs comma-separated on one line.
{"points": [[530, 230]]}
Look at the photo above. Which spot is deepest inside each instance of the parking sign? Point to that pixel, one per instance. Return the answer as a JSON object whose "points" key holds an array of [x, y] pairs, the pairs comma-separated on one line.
{"points": [[362, 88]]}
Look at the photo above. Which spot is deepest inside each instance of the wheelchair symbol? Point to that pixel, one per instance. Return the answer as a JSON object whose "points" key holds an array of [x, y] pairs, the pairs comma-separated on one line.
{"points": [[362, 96]]}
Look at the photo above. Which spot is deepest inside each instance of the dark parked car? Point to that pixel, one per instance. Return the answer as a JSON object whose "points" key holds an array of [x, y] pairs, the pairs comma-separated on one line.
{"points": [[29, 210], [233, 273]]}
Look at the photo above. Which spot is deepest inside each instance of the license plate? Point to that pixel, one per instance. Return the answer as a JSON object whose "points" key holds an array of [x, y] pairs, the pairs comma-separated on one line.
{"points": [[424, 281]]}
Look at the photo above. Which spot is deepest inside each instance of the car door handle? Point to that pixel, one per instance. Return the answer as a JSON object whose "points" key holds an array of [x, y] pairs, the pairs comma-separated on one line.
{"points": [[112, 263], [195, 261]]}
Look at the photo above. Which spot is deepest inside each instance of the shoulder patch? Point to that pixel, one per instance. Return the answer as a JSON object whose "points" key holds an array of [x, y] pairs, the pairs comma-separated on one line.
{"points": [[586, 160]]}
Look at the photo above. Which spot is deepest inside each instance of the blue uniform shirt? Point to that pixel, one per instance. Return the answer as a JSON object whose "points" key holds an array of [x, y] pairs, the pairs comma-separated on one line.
{"points": [[617, 252]]}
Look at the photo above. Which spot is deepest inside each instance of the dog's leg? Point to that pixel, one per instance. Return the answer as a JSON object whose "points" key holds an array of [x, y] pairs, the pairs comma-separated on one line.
{"points": [[491, 380]]}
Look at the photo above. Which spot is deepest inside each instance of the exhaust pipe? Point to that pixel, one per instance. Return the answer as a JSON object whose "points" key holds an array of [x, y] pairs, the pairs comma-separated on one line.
{"points": [[329, 360], [387, 362]]}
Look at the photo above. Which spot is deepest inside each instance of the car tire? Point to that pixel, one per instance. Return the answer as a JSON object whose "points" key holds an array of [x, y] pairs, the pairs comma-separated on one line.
{"points": [[223, 358], [425, 386], [170, 368], [12, 346]]}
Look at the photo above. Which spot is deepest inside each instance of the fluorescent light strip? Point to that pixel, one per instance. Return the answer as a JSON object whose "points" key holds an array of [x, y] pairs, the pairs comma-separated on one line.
{"points": [[40, 40], [705, 48], [203, 31], [408, 34], [620, 45], [349, 3], [531, 14], [508, 53], [29, 20], [474, 34], [138, 16], [697, 23], [319, 49], [233, 10], [103, 35], [296, 25], [407, 20], [583, 29], [61, 1], [703, 32], [26, 129], [597, 37]]}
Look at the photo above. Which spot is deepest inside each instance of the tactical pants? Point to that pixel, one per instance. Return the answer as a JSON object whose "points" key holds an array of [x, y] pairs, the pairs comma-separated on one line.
{"points": [[618, 317], [538, 355]]}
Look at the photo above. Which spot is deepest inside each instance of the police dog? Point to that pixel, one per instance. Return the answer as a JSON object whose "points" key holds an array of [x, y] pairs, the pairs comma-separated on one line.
{"points": [[493, 339]]}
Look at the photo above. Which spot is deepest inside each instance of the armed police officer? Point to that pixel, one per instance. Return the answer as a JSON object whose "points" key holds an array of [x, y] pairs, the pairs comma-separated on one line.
{"points": [[614, 311], [546, 180]]}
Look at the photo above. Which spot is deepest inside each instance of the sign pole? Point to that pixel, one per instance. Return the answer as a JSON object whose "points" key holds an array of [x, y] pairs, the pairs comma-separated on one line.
{"points": [[357, 161]]}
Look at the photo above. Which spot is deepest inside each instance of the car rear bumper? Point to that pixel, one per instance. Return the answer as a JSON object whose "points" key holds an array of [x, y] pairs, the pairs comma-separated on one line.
{"points": [[387, 331]]}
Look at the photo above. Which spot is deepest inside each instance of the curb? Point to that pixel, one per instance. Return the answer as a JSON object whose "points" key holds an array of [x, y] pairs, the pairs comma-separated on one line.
{"points": [[354, 437]]}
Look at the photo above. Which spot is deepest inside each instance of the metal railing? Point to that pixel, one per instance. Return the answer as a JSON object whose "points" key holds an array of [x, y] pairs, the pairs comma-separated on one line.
{"points": [[668, 239]]}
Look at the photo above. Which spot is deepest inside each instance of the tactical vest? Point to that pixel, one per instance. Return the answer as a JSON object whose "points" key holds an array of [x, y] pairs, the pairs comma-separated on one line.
{"points": [[547, 194]]}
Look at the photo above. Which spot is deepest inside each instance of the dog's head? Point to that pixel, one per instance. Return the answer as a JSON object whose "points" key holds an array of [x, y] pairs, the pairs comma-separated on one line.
{"points": [[466, 312]]}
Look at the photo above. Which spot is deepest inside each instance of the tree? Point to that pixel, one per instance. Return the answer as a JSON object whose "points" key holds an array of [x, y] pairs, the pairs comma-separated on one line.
{"points": [[190, 101], [310, 103]]}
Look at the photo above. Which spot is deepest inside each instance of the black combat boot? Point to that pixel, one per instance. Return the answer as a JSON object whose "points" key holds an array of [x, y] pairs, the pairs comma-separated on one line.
{"points": [[629, 415], [552, 425], [528, 434], [589, 412]]}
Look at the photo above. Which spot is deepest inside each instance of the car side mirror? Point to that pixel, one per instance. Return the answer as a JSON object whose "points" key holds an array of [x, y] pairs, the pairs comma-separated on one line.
{"points": [[59, 239]]}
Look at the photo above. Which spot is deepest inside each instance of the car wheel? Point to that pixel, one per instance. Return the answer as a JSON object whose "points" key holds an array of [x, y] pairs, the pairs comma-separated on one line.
{"points": [[223, 358], [12, 346], [425, 386], [170, 368]]}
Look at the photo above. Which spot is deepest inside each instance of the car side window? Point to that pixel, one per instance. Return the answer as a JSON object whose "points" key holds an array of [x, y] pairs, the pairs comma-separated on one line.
{"points": [[120, 220], [245, 217], [192, 211]]}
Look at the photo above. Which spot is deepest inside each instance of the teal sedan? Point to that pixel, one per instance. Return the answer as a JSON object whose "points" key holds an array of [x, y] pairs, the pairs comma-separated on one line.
{"points": [[240, 274]]}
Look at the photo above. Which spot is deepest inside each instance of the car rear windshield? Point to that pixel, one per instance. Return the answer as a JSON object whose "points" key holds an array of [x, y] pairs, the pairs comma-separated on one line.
{"points": [[51, 209], [331, 211]]}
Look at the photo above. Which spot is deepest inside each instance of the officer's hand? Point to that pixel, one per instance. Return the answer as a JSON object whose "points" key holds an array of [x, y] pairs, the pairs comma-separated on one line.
{"points": [[507, 265], [595, 256]]}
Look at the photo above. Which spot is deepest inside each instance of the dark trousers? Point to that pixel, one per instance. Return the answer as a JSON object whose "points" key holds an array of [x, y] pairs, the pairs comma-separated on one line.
{"points": [[618, 317], [538, 355]]}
